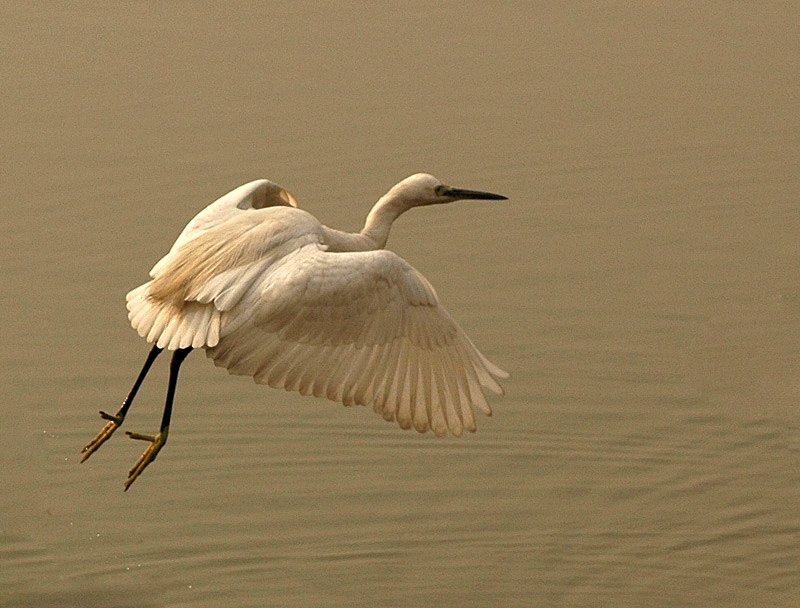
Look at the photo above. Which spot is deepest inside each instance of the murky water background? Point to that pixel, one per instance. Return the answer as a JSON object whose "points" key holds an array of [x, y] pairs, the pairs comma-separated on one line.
{"points": [[641, 284]]}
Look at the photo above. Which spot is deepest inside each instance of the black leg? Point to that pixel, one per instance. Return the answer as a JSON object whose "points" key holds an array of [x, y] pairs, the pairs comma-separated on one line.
{"points": [[158, 441], [115, 420], [174, 368]]}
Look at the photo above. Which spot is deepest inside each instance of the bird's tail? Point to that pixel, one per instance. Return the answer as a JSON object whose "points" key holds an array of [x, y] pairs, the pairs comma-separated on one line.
{"points": [[172, 326]]}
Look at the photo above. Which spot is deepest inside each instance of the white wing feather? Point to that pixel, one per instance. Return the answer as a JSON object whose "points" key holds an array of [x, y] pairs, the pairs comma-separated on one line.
{"points": [[208, 274], [360, 328], [258, 194]]}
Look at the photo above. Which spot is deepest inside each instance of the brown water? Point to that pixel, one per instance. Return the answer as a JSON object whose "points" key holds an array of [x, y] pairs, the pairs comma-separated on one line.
{"points": [[641, 284]]}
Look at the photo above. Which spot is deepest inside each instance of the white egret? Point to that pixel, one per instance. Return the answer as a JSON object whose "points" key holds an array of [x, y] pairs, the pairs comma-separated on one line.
{"points": [[270, 292]]}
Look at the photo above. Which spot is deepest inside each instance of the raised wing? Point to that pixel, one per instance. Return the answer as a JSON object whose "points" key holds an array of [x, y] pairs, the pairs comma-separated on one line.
{"points": [[209, 274], [258, 194], [360, 328]]}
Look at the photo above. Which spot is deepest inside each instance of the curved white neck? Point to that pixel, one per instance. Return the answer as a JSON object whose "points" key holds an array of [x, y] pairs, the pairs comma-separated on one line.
{"points": [[380, 218], [376, 228]]}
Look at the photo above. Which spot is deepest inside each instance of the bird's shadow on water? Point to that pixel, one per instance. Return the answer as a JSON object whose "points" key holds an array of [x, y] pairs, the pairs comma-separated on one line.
{"points": [[109, 598]]}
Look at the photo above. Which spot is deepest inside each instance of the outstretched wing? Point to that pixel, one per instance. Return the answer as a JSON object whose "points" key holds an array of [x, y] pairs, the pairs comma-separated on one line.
{"points": [[360, 328], [258, 194]]}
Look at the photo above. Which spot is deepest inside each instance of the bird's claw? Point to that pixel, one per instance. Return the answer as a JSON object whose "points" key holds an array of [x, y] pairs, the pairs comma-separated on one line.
{"points": [[148, 456], [114, 421]]}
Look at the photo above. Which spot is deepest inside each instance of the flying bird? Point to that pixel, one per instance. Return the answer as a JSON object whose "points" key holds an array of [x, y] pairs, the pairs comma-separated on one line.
{"points": [[270, 292]]}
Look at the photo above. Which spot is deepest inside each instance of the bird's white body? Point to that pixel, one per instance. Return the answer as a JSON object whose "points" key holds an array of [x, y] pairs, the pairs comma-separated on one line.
{"points": [[270, 292]]}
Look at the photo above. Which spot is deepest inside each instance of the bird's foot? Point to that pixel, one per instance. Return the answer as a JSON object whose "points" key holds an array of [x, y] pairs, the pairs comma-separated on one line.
{"points": [[148, 456], [114, 421]]}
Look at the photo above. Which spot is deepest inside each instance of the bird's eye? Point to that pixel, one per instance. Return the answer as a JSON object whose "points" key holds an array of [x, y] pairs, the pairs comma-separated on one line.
{"points": [[440, 190]]}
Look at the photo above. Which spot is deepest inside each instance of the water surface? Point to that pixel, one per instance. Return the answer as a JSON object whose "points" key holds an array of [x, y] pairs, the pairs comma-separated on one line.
{"points": [[641, 284]]}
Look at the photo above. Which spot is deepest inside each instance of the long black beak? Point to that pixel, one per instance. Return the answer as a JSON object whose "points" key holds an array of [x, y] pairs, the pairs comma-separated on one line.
{"points": [[477, 195]]}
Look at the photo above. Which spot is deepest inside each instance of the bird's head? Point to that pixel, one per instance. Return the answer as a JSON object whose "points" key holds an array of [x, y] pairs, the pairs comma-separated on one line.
{"points": [[424, 189]]}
